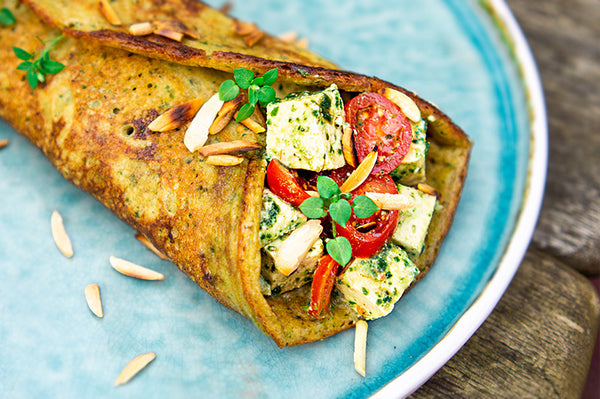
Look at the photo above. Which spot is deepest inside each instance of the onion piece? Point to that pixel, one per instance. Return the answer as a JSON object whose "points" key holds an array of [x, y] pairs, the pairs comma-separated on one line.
{"points": [[295, 247]]}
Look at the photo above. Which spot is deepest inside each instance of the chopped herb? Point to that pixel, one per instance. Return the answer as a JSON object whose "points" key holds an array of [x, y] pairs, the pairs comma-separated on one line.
{"points": [[41, 65]]}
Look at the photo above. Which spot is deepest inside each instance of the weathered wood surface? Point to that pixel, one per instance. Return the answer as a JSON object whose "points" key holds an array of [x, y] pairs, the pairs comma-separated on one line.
{"points": [[536, 344], [565, 39]]}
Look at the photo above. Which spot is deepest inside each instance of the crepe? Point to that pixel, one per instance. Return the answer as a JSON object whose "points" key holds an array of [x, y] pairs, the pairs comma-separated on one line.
{"points": [[91, 122]]}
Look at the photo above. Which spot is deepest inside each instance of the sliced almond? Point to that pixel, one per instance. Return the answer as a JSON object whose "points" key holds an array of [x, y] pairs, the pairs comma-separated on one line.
{"points": [[92, 297], [391, 202], [3, 143], [427, 189], [313, 193], [252, 38], [227, 147], [132, 270], [288, 37], [226, 113], [197, 133], [176, 26], [255, 122], [150, 246], [348, 147], [109, 12], [244, 28], [134, 367], [169, 34], [224, 160], [141, 29], [360, 174], [302, 43], [176, 116], [295, 247], [360, 347], [61, 239], [406, 104]]}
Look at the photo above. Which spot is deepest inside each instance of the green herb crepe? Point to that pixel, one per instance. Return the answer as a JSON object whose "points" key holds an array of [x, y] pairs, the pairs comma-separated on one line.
{"points": [[91, 121]]}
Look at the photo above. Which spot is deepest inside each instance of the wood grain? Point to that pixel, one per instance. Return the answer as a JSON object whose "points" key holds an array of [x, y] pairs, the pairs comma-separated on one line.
{"points": [[565, 39], [536, 344]]}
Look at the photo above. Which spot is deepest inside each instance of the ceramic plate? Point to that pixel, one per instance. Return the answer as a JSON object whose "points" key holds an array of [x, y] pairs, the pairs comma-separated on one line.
{"points": [[467, 56]]}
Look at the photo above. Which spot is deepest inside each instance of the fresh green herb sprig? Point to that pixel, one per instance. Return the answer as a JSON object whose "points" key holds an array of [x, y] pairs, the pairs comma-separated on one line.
{"points": [[6, 17], [259, 89], [334, 202], [39, 64]]}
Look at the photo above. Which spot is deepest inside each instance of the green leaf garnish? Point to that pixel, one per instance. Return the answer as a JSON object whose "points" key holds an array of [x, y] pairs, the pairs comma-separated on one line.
{"points": [[340, 250], [270, 76], [243, 77], [7, 17], [41, 65], [327, 187], [313, 208], [253, 94], [245, 112], [340, 211], [228, 90], [364, 207], [266, 94]]}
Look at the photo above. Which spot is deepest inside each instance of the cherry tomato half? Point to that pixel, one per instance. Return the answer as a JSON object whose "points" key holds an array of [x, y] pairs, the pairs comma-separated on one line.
{"points": [[322, 285], [367, 243], [283, 183], [378, 123]]}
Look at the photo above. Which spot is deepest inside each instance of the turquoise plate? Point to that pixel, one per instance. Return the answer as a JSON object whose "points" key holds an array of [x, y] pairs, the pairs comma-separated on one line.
{"points": [[467, 56]]}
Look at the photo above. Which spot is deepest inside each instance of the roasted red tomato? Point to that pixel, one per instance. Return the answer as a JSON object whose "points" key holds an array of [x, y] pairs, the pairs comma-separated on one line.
{"points": [[283, 183], [368, 236], [379, 124], [322, 285]]}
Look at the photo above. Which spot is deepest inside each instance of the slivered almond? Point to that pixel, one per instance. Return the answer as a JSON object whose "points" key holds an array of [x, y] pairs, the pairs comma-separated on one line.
{"points": [[302, 43], [149, 245], [141, 29], [360, 347], [61, 239], [227, 147], [347, 147], [169, 34], [133, 367], [288, 37], [92, 297], [252, 38], [294, 248], [132, 270], [226, 113], [3, 143], [360, 174], [176, 116], [406, 104], [244, 28], [224, 160], [427, 189], [313, 193], [197, 133], [176, 26], [109, 12], [255, 122], [391, 202]]}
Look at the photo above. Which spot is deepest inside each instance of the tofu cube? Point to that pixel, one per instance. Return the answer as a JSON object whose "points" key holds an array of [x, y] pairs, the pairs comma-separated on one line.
{"points": [[304, 131], [412, 169], [277, 218], [373, 286], [414, 222], [278, 282]]}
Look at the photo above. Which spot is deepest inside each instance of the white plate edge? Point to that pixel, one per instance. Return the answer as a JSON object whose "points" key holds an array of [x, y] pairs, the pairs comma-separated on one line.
{"points": [[478, 312]]}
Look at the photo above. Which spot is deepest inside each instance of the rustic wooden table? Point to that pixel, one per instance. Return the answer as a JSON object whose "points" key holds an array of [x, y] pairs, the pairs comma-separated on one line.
{"points": [[538, 342]]}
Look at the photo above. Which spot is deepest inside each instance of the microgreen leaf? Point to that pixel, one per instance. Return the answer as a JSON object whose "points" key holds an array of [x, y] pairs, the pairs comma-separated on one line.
{"points": [[364, 207], [327, 187], [6, 17], [51, 66], [32, 78], [259, 81], [313, 208], [253, 94], [22, 54], [243, 77], [25, 66], [266, 94], [340, 250], [228, 90], [340, 211], [270, 76], [245, 112]]}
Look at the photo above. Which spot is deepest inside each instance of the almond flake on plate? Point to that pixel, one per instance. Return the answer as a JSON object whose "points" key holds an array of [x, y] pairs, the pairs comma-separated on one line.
{"points": [[176, 116], [132, 270], [133, 367], [406, 104], [360, 174], [360, 347], [150, 246], [141, 29], [227, 147], [61, 239], [391, 202], [197, 133], [224, 160], [92, 297], [109, 12]]}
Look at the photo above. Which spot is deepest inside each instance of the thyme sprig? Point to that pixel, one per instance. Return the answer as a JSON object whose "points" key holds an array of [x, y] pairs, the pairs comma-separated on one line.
{"points": [[39, 64]]}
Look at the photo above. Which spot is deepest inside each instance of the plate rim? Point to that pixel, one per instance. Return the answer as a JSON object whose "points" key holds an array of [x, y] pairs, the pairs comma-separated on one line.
{"points": [[414, 377]]}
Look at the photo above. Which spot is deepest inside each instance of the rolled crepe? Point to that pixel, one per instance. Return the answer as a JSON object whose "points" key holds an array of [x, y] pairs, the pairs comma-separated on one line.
{"points": [[91, 122]]}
